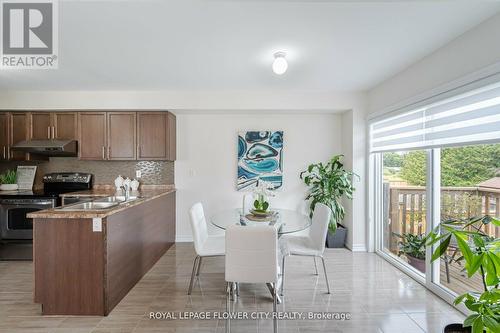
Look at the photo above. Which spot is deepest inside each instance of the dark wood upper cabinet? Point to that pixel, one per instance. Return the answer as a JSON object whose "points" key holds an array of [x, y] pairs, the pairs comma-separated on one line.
{"points": [[92, 135], [121, 136], [18, 132], [4, 136], [65, 125], [155, 136], [53, 125], [172, 137], [40, 126]]}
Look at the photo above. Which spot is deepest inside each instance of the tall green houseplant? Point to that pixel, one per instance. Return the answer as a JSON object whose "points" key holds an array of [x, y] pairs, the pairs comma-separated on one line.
{"points": [[481, 254], [328, 183]]}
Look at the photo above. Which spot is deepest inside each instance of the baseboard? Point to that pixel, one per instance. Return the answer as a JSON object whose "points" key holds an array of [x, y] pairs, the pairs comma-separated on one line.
{"points": [[357, 248], [183, 238]]}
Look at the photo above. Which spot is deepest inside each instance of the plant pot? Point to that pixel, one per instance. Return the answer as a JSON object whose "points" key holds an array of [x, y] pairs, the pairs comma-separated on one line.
{"points": [[417, 263], [456, 328], [337, 239], [8, 187]]}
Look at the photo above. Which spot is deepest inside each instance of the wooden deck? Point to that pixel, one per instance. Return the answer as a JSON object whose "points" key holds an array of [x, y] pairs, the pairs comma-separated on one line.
{"points": [[459, 283]]}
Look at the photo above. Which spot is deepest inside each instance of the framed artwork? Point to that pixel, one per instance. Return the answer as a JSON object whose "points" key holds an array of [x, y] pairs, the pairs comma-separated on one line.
{"points": [[260, 156]]}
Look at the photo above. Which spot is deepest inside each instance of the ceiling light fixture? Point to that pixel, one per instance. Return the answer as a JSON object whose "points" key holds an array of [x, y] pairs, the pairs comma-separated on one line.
{"points": [[280, 64]]}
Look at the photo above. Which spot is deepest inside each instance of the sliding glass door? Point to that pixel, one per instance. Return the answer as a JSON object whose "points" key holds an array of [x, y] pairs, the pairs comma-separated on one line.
{"points": [[430, 164], [404, 200]]}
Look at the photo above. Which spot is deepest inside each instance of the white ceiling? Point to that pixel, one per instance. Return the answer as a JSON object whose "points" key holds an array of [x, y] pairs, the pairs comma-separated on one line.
{"points": [[214, 45]]}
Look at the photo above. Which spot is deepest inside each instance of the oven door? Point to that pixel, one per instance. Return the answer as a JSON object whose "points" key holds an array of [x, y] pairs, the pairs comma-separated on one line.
{"points": [[13, 221]]}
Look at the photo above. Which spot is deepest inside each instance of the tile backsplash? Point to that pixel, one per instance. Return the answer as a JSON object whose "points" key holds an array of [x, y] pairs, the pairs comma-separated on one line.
{"points": [[105, 172]]}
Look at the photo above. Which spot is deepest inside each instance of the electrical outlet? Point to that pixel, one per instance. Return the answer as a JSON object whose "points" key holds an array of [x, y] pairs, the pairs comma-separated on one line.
{"points": [[138, 173]]}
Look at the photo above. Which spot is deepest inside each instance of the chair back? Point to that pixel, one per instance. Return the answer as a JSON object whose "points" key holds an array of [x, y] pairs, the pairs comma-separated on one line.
{"points": [[319, 226], [252, 254], [198, 226], [247, 203]]}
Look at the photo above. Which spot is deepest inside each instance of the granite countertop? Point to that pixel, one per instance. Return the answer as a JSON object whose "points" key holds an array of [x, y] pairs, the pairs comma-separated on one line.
{"points": [[145, 194]]}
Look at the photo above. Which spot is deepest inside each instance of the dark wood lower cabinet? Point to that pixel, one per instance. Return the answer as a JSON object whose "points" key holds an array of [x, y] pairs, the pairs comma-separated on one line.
{"points": [[82, 272]]}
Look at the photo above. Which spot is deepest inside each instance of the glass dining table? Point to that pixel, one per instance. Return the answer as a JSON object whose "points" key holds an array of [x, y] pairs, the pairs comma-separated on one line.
{"points": [[286, 221]]}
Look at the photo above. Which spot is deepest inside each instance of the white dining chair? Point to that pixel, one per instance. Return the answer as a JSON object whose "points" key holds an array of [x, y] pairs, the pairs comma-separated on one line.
{"points": [[251, 257], [247, 203], [205, 245], [311, 245]]}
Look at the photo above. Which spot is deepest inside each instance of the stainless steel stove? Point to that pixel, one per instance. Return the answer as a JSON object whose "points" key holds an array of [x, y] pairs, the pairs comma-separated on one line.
{"points": [[15, 227]]}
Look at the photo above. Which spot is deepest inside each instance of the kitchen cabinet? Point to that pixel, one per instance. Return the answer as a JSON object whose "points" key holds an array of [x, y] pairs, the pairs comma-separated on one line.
{"points": [[53, 125], [156, 136], [4, 136], [64, 125], [121, 138], [92, 135], [18, 132]]}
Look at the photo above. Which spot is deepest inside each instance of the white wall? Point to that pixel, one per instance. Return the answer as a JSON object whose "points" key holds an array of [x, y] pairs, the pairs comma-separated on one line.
{"points": [[472, 52], [205, 169]]}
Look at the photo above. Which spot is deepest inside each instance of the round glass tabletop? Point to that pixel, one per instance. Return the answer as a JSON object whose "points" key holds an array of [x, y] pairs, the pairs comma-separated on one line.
{"points": [[287, 221]]}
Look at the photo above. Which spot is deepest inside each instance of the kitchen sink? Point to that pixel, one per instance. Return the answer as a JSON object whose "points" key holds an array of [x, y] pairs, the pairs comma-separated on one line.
{"points": [[117, 198], [91, 205]]}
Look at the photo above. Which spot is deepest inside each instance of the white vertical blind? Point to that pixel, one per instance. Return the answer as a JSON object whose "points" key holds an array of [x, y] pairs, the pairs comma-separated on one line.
{"points": [[472, 117]]}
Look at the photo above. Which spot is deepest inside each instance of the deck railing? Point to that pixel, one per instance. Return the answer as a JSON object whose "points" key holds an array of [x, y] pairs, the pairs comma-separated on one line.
{"points": [[405, 208]]}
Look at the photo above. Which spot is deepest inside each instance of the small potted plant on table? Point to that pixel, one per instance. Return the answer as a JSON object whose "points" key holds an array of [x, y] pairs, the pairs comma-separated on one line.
{"points": [[481, 254], [328, 184], [8, 181]]}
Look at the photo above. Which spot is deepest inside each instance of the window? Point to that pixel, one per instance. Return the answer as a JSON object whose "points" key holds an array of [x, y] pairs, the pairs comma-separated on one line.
{"points": [[433, 163]]}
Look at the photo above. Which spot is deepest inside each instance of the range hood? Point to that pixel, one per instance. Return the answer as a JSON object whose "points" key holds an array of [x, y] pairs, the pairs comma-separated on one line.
{"points": [[48, 147]]}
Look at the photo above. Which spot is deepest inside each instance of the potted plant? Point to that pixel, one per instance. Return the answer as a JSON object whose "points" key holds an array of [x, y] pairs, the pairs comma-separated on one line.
{"points": [[8, 181], [481, 254], [328, 184], [413, 248], [261, 193]]}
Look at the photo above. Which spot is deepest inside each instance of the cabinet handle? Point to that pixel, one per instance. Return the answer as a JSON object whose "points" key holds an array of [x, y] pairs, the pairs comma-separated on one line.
{"points": [[53, 132], [103, 152], [109, 152], [4, 155], [138, 150], [48, 132]]}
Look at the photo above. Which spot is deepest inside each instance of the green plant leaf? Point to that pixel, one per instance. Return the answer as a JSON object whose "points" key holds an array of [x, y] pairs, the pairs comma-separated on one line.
{"points": [[474, 265], [470, 320], [441, 248], [491, 323]]}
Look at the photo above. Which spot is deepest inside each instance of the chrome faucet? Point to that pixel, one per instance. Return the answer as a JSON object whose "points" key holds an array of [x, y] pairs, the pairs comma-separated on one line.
{"points": [[126, 191]]}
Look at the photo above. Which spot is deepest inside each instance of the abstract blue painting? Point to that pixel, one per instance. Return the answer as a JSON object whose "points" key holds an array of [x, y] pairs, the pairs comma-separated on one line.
{"points": [[260, 156]]}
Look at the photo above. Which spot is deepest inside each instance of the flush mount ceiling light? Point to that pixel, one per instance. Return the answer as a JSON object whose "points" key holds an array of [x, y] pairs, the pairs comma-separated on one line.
{"points": [[280, 64]]}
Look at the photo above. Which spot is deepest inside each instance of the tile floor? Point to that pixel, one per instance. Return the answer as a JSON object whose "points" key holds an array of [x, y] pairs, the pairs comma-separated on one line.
{"points": [[378, 296]]}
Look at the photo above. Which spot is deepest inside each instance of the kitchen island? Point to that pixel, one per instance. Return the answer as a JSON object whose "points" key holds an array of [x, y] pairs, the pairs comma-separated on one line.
{"points": [[86, 261]]}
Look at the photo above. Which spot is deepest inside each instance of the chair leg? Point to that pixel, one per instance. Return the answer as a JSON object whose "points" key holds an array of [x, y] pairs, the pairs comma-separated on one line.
{"points": [[282, 275], [326, 275], [228, 305], [192, 274], [315, 266], [199, 267], [275, 308]]}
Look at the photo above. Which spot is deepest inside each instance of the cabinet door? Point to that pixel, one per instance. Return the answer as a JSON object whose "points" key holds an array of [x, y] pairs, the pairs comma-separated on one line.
{"points": [[152, 130], [171, 137], [4, 136], [40, 126], [65, 125], [18, 132], [121, 136], [92, 135]]}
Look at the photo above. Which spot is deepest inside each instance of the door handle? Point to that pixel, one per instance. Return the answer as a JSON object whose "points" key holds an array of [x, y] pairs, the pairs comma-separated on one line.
{"points": [[53, 132], [103, 152], [48, 132]]}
